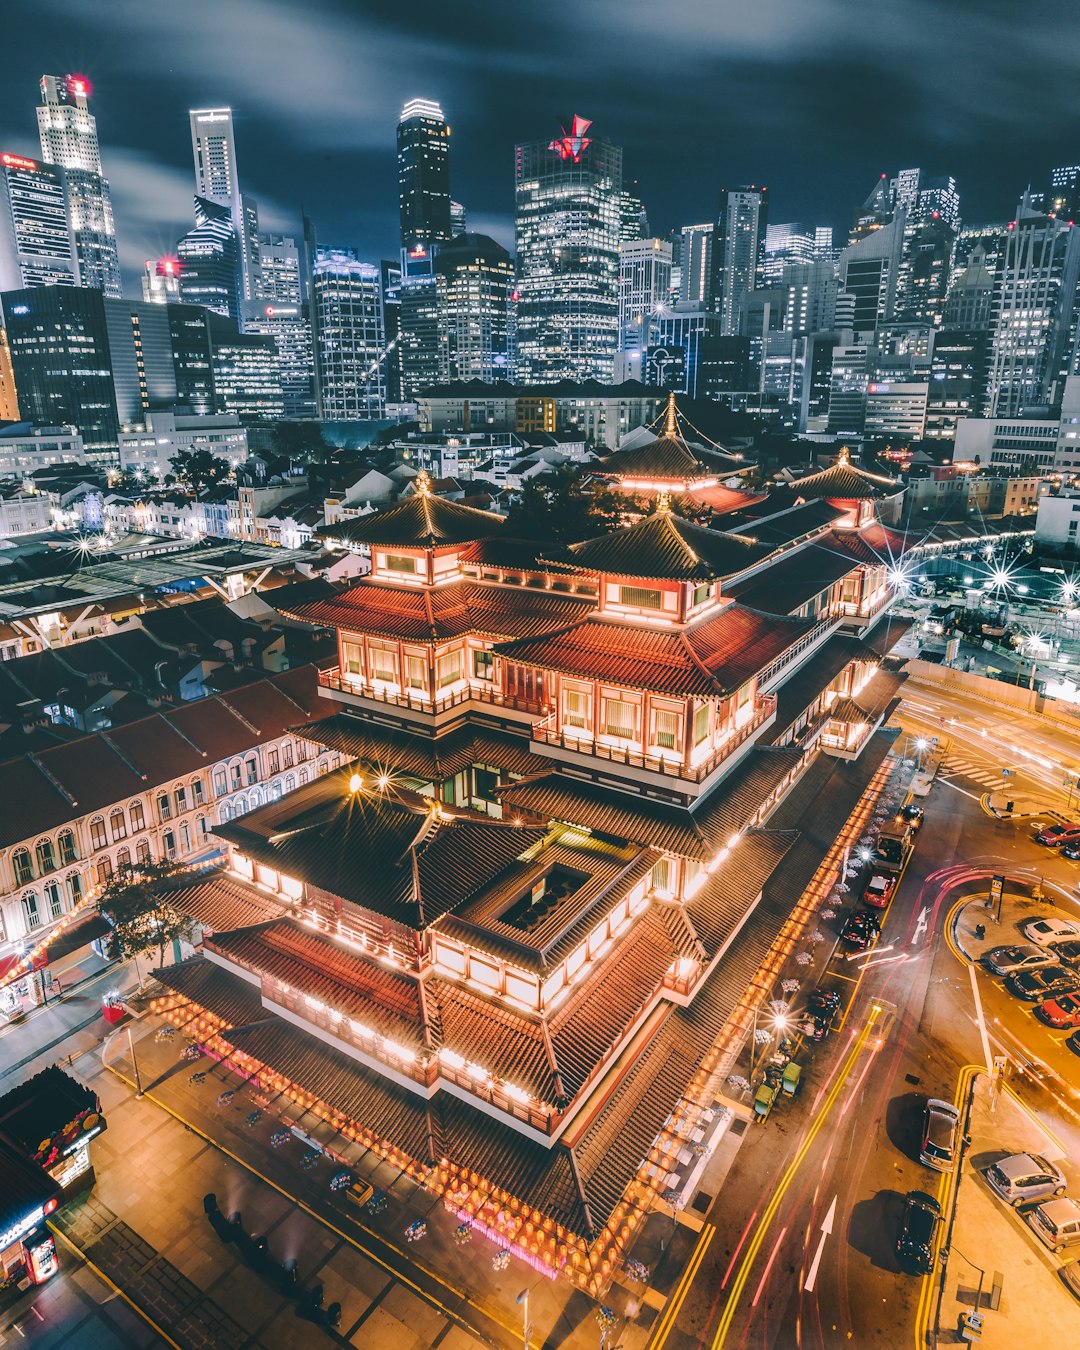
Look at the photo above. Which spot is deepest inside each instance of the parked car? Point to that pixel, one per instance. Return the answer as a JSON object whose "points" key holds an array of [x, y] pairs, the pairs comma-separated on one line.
{"points": [[862, 930], [1035, 985], [914, 815], [1025, 1176], [941, 1126], [1063, 1011], [1073, 1042], [1072, 851], [1049, 932], [879, 888], [1056, 1223], [1055, 835], [1070, 1276], [1007, 960], [916, 1245], [1068, 952], [821, 1007]]}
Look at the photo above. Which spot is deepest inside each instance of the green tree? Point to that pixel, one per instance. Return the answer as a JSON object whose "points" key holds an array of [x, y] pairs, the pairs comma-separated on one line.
{"points": [[562, 508], [200, 469], [299, 442], [137, 903]]}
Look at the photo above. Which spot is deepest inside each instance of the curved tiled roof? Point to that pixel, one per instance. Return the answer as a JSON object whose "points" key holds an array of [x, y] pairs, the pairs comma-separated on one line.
{"points": [[844, 480], [423, 521], [401, 751], [670, 459], [711, 658], [667, 547]]}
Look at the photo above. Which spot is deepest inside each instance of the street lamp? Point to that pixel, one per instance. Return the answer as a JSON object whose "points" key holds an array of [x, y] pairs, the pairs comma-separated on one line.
{"points": [[522, 1301], [921, 746]]}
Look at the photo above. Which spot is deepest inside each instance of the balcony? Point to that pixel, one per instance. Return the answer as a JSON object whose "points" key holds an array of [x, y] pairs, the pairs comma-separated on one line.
{"points": [[562, 743], [356, 690]]}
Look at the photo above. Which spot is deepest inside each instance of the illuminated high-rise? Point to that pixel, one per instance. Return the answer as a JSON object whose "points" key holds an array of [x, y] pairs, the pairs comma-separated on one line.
{"points": [[569, 200], [644, 289], [348, 335], [737, 247], [161, 281], [213, 150], [423, 153], [37, 246], [474, 279], [208, 255], [68, 132]]}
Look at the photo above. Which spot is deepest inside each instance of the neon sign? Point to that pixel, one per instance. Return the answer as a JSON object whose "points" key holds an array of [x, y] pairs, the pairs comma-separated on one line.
{"points": [[80, 85], [17, 162], [573, 144]]}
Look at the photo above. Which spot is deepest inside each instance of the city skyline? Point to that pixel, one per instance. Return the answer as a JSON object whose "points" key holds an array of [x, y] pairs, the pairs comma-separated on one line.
{"points": [[298, 143]]}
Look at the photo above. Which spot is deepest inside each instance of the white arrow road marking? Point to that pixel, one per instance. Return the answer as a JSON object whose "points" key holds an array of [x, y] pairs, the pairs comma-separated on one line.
{"points": [[920, 924], [826, 1229]]}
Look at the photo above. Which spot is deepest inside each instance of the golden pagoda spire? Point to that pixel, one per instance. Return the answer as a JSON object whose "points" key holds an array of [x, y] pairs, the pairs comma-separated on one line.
{"points": [[423, 483], [671, 427], [663, 503], [843, 459]]}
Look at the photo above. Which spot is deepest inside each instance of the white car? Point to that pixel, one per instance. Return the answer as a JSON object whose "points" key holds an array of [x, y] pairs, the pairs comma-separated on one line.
{"points": [[1025, 1176], [1045, 932]]}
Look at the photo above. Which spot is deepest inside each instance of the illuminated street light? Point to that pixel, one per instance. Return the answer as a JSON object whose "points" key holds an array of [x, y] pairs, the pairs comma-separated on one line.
{"points": [[355, 783]]}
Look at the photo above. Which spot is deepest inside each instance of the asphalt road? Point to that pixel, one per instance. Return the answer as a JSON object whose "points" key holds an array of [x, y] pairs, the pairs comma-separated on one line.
{"points": [[843, 1155]]}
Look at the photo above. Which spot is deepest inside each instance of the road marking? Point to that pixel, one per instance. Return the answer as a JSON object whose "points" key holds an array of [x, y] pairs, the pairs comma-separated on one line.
{"points": [[768, 1266], [987, 1056], [826, 1229], [671, 1312], [728, 1315], [949, 783], [921, 923]]}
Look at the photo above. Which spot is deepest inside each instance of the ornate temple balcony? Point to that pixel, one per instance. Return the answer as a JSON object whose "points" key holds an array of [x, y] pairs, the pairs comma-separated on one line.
{"points": [[355, 690], [579, 746]]}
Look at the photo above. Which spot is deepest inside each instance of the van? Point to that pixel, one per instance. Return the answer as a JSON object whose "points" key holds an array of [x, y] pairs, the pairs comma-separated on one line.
{"points": [[1056, 1223], [941, 1125]]}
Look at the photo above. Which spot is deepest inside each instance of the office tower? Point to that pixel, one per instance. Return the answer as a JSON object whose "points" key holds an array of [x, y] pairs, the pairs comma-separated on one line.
{"points": [[971, 296], [904, 189], [247, 372], [37, 246], [161, 281], [938, 199], [923, 277], [824, 250], [633, 221], [568, 194], [851, 368], [287, 325], [737, 244], [68, 132], [810, 302], [390, 282], [958, 374], [644, 284], [213, 149], [474, 278], [1063, 199], [423, 154], [9, 399], [96, 363], [420, 357], [458, 222], [868, 270], [786, 243], [1034, 312], [876, 211], [210, 272], [193, 358], [348, 335], [279, 269], [696, 283]]}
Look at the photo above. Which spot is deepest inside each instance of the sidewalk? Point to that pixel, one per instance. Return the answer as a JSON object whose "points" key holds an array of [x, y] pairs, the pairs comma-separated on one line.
{"points": [[1035, 1307]]}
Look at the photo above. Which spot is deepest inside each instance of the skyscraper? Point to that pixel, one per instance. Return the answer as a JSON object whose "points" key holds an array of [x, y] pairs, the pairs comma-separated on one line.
{"points": [[790, 242], [213, 149], [37, 247], [208, 255], [68, 132], [644, 286], [1034, 312], [161, 281], [421, 362], [737, 245], [695, 286], [280, 313], [568, 196], [348, 335], [1064, 195], [474, 279], [423, 153], [869, 269]]}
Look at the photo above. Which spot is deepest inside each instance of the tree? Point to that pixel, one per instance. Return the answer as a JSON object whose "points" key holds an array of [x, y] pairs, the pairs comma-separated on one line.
{"points": [[138, 906], [558, 508], [200, 469], [299, 442]]}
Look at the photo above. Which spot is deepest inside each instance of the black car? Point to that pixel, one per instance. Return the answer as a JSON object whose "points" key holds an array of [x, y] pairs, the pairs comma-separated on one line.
{"points": [[1068, 953], [1072, 851], [1036, 985], [821, 1007], [861, 930], [1073, 1042], [913, 815], [918, 1230]]}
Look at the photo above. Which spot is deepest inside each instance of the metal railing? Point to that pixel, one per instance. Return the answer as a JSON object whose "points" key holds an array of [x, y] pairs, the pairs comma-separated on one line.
{"points": [[420, 701]]}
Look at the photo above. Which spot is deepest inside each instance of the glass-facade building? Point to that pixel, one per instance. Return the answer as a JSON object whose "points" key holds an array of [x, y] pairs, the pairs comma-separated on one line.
{"points": [[423, 153], [37, 247], [568, 206], [474, 279], [209, 256], [348, 335]]}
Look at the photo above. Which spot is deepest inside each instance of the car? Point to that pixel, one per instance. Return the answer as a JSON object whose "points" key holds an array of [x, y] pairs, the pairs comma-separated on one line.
{"points": [[1073, 1042], [878, 890], [914, 815], [1035, 985], [1049, 932], [1007, 960], [1063, 1011], [1068, 951], [862, 930], [918, 1231], [1025, 1176], [1072, 851], [941, 1125], [821, 1007], [1056, 1223], [1056, 835], [1070, 1276]]}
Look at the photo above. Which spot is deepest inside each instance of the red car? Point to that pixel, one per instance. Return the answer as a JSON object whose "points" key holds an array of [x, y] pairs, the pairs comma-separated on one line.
{"points": [[879, 888], [1056, 835], [1062, 1011]]}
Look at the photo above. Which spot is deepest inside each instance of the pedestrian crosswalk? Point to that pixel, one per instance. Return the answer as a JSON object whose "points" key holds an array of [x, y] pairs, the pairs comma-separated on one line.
{"points": [[975, 771]]}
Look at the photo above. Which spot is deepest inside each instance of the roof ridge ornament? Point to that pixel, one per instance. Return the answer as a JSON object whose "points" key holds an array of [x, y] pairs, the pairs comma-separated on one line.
{"points": [[663, 503], [423, 483], [671, 427]]}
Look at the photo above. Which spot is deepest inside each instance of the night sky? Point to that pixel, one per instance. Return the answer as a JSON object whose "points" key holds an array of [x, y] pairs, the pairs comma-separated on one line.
{"points": [[816, 98]]}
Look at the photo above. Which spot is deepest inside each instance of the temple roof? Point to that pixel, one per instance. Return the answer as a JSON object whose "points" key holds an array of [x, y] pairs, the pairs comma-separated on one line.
{"points": [[423, 521], [671, 459], [437, 614], [846, 481], [711, 658], [398, 750], [664, 546]]}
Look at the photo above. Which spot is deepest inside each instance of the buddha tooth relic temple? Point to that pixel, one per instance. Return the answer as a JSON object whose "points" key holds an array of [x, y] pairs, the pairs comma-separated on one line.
{"points": [[501, 946]]}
